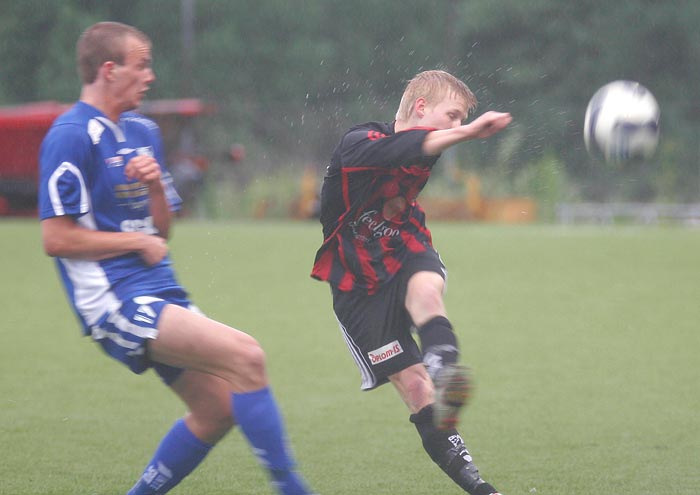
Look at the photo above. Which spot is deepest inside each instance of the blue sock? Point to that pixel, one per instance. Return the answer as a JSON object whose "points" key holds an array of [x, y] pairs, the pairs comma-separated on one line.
{"points": [[178, 454], [260, 420]]}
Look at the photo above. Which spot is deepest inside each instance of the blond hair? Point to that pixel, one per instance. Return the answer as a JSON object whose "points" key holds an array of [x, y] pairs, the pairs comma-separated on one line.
{"points": [[433, 85], [103, 42]]}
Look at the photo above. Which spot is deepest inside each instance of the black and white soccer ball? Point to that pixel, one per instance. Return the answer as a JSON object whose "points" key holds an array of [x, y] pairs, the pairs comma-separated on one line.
{"points": [[622, 122]]}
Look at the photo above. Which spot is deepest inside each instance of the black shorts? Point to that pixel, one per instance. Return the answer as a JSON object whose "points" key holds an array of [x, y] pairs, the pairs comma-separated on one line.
{"points": [[378, 328]]}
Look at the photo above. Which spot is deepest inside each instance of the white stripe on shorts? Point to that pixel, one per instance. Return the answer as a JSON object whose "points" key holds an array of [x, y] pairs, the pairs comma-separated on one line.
{"points": [[100, 333], [368, 378], [123, 324]]}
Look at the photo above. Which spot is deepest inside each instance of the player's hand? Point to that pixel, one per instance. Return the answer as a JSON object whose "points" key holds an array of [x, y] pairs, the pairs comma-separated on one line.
{"points": [[489, 123], [144, 169], [153, 249]]}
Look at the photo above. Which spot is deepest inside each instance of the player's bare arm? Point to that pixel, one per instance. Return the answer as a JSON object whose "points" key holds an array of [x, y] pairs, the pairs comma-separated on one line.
{"points": [[63, 237], [482, 127], [146, 170]]}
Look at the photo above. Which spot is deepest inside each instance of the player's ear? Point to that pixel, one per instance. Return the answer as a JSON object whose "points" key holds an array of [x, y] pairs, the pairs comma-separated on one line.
{"points": [[419, 107], [107, 70]]}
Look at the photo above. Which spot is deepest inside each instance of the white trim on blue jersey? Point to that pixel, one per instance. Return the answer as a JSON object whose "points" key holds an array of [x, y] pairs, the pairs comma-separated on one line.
{"points": [[91, 295], [56, 197], [114, 128]]}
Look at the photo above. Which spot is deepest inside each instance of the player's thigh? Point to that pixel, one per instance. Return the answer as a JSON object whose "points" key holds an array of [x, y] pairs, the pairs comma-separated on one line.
{"points": [[424, 280], [194, 342], [424, 296]]}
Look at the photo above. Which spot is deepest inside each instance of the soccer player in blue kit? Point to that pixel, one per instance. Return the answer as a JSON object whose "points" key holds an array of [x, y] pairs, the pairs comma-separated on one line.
{"points": [[386, 278], [106, 204]]}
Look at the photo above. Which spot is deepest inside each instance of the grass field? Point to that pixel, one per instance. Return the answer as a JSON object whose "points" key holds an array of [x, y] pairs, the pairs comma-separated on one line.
{"points": [[585, 344]]}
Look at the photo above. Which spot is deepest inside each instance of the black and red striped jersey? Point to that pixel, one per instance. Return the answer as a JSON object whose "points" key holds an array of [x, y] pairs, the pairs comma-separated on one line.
{"points": [[369, 213]]}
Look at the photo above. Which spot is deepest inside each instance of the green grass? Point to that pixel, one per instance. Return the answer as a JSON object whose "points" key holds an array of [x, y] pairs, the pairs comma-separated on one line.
{"points": [[584, 342]]}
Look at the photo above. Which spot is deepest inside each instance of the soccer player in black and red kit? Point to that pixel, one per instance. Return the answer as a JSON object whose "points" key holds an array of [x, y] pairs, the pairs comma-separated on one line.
{"points": [[386, 278]]}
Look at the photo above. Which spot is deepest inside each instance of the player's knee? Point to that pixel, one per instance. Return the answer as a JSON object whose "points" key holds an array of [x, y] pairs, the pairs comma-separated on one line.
{"points": [[256, 359], [252, 359]]}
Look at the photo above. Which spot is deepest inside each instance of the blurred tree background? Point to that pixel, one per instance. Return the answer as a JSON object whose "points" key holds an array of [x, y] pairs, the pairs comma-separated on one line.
{"points": [[289, 76]]}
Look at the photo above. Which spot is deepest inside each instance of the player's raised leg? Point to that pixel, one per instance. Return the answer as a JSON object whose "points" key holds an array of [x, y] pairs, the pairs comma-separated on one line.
{"points": [[439, 346], [436, 391]]}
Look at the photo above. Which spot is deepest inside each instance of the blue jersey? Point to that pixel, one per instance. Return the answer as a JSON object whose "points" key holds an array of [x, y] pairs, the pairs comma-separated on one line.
{"points": [[82, 162]]}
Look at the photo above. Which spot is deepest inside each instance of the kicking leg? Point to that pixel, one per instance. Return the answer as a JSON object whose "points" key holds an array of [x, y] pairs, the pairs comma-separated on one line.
{"points": [[439, 347], [427, 310]]}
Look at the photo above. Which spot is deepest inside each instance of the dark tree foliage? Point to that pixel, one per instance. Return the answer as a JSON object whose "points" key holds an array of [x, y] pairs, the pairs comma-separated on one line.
{"points": [[289, 76]]}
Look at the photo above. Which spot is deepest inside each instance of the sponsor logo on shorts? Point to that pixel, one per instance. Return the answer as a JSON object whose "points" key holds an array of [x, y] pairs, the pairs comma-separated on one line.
{"points": [[386, 352]]}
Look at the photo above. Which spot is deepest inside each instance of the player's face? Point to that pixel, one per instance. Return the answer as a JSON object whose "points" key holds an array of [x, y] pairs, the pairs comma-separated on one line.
{"points": [[132, 79], [450, 112]]}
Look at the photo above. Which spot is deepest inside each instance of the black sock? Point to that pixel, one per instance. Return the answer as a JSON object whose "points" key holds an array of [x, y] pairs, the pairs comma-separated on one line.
{"points": [[438, 343], [446, 448]]}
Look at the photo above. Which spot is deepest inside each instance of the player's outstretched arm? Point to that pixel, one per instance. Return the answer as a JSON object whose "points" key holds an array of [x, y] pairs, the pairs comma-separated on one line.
{"points": [[482, 127], [64, 238]]}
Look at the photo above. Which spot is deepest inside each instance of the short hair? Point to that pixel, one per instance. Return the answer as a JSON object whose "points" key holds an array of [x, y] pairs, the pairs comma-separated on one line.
{"points": [[103, 42], [433, 85]]}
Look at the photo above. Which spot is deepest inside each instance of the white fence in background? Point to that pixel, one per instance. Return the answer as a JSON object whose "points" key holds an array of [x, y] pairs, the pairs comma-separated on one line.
{"points": [[645, 213]]}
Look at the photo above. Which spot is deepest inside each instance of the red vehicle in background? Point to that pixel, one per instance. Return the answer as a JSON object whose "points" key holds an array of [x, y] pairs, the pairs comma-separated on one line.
{"points": [[23, 127]]}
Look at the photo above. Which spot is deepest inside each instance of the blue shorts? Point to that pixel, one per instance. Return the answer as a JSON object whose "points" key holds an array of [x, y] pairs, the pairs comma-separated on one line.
{"points": [[124, 332]]}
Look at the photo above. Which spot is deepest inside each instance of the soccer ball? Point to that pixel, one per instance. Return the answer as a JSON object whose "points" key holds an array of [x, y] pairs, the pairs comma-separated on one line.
{"points": [[622, 122]]}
